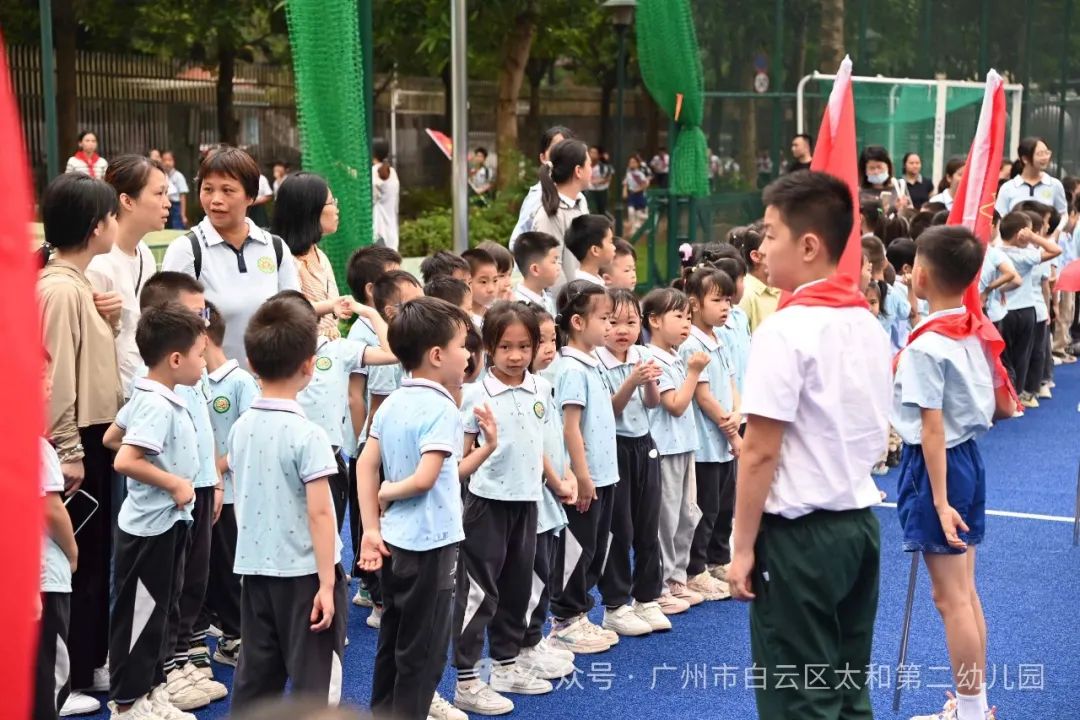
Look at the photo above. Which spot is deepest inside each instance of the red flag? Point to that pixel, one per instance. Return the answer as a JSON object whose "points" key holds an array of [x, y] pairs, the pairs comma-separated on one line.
{"points": [[20, 427], [445, 143]]}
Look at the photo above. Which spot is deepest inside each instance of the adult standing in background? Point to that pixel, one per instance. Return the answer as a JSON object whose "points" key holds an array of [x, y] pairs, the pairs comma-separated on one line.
{"points": [[551, 137], [563, 179], [177, 193], [600, 182], [876, 177], [86, 159], [918, 188], [661, 166], [954, 173], [801, 152], [385, 194], [1030, 181], [257, 212]]}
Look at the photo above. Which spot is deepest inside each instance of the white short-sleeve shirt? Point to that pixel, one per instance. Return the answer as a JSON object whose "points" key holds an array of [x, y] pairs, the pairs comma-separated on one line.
{"points": [[232, 390], [633, 421], [713, 445], [55, 568], [578, 381], [544, 300], [275, 452], [326, 398], [672, 435], [160, 423], [419, 418], [826, 372]]}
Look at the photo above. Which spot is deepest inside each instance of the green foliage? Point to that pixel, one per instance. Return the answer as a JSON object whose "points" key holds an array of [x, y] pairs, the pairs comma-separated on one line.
{"points": [[433, 229]]}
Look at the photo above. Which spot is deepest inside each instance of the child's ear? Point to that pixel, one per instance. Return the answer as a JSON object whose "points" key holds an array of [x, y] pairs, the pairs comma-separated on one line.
{"points": [[308, 368], [907, 268], [174, 360], [435, 356]]}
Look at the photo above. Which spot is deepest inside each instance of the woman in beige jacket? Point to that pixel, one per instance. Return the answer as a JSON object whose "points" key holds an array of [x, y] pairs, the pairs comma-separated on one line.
{"points": [[79, 214]]}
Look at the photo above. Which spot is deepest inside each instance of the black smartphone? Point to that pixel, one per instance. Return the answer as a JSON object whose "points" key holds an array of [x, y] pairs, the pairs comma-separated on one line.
{"points": [[81, 506]]}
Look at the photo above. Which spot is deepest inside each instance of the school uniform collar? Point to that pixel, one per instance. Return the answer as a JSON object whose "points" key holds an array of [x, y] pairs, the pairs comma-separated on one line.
{"points": [[278, 405], [582, 357], [321, 343], [495, 386], [223, 372], [663, 355], [758, 287], [609, 361], [582, 275], [529, 295], [939, 314], [431, 385], [212, 237], [806, 285], [148, 385], [709, 340], [1019, 181], [572, 203]]}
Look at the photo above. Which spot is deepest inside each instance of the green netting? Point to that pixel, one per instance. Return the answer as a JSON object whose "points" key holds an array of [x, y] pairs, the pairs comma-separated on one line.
{"points": [[329, 68], [671, 65]]}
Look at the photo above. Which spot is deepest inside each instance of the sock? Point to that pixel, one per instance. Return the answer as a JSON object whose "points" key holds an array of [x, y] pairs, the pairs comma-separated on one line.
{"points": [[969, 707], [982, 699]]}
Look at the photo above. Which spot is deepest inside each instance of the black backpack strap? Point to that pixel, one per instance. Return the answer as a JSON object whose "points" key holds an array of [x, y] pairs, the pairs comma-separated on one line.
{"points": [[196, 251], [279, 248]]}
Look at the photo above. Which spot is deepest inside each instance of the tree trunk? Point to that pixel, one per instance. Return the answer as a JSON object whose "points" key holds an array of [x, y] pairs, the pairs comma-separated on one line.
{"points": [[64, 33], [607, 90], [228, 127], [515, 55], [832, 35], [535, 71]]}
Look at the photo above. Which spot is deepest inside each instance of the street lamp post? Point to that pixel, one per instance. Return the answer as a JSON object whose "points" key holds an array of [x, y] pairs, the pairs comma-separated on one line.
{"points": [[622, 14]]}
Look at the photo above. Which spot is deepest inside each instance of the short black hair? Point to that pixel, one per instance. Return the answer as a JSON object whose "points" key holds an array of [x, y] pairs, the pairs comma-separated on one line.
{"points": [[624, 248], [814, 202], [531, 247], [954, 256], [874, 250], [442, 263], [933, 206], [940, 218], [661, 301], [1013, 223], [702, 282], [504, 260], [423, 324], [482, 150], [1049, 214], [901, 252], [166, 287], [386, 290], [234, 163], [586, 231], [72, 207], [215, 327], [365, 266], [502, 315], [922, 220], [447, 288], [165, 329], [280, 337], [622, 297], [809, 140], [1038, 220], [478, 258]]}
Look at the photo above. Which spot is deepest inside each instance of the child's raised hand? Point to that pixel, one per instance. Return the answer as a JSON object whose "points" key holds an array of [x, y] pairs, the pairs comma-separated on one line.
{"points": [[322, 609], [643, 373], [951, 523], [372, 551], [698, 361], [486, 420], [343, 306]]}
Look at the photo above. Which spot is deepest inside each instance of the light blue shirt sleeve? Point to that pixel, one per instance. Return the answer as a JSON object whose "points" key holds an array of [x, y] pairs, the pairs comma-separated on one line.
{"points": [[468, 403], [571, 388], [922, 379], [147, 425], [440, 435], [315, 459]]}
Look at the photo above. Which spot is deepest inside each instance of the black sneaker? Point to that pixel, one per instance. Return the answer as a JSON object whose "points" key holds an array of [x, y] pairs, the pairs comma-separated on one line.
{"points": [[228, 652]]}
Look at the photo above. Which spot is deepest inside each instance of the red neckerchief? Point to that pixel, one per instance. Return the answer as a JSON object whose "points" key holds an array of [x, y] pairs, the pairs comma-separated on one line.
{"points": [[836, 291], [89, 160]]}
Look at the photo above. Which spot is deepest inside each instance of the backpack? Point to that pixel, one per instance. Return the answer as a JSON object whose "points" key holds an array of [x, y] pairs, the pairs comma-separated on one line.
{"points": [[196, 250]]}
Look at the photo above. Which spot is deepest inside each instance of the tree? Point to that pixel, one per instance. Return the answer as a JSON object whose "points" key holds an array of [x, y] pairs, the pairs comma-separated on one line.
{"points": [[832, 35]]}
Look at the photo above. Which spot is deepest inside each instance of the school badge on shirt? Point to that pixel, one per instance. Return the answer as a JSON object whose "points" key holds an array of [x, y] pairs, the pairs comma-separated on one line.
{"points": [[265, 264], [539, 409], [221, 405], [323, 363]]}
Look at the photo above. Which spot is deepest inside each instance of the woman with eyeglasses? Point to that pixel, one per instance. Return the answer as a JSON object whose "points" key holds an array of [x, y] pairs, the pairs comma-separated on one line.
{"points": [[306, 212], [1030, 180]]}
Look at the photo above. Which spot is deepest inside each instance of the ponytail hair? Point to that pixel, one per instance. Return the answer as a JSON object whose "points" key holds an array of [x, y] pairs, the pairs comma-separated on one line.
{"points": [[574, 299], [563, 160], [380, 151]]}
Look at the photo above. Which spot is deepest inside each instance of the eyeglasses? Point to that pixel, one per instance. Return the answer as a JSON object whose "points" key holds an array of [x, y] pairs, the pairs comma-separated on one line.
{"points": [[332, 201]]}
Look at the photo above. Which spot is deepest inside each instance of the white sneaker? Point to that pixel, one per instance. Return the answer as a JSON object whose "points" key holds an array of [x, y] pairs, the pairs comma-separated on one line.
{"points": [[709, 587], [544, 663], [214, 631], [1044, 392], [362, 598], [78, 703], [574, 635], [477, 697], [213, 689], [101, 679], [671, 605], [141, 709], [518, 680], [948, 712], [183, 693], [374, 620], [719, 571], [548, 648], [624, 621], [442, 710], [609, 636], [651, 614], [159, 699]]}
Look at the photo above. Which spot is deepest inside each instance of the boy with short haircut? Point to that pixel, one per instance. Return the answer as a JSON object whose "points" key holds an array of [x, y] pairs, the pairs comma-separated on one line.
{"points": [[413, 523], [454, 291], [622, 271], [158, 452], [804, 489], [484, 282], [504, 264], [445, 264], [942, 400], [590, 239], [539, 259], [287, 549]]}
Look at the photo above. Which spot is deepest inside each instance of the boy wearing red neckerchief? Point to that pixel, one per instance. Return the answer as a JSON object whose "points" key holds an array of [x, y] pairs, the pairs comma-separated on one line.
{"points": [[806, 546]]}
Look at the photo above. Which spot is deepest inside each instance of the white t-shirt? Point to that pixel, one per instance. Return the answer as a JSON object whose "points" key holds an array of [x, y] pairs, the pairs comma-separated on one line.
{"points": [[116, 271], [177, 185], [386, 194]]}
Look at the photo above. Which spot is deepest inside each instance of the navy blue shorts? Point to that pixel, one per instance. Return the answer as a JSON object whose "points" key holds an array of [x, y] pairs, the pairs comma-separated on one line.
{"points": [[966, 486]]}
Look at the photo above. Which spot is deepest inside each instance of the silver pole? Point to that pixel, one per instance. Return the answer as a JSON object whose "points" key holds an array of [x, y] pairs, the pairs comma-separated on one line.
{"points": [[905, 631], [459, 184]]}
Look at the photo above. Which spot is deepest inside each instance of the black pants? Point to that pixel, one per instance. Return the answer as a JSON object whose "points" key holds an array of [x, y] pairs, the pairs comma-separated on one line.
{"points": [[149, 578], [635, 522], [1018, 330], [493, 582], [339, 488], [52, 675], [88, 637], [222, 604], [196, 575], [580, 559], [279, 645], [1048, 354], [418, 607], [547, 543], [1036, 367], [716, 498], [368, 580]]}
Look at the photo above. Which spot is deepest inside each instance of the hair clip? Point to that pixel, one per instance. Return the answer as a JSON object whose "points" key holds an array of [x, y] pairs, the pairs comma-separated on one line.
{"points": [[686, 250]]}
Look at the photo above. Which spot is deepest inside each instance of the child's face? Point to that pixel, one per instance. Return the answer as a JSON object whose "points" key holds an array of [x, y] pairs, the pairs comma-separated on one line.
{"points": [[405, 292], [452, 359], [605, 252], [502, 285], [514, 352], [874, 299], [545, 353], [188, 367], [485, 286], [625, 329], [671, 328], [714, 308], [622, 273], [866, 273], [548, 269], [592, 330]]}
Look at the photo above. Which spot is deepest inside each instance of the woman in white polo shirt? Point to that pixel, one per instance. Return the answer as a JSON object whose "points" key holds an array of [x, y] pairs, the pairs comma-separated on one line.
{"points": [[238, 263]]}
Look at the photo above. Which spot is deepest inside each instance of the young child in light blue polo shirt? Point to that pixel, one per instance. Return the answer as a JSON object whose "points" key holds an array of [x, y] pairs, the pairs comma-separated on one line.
{"points": [[158, 452], [288, 552], [413, 522]]}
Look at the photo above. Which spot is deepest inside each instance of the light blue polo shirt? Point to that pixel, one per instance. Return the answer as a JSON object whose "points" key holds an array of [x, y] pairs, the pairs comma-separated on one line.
{"points": [[419, 418], [1048, 191], [936, 372], [735, 334], [550, 513], [55, 568], [326, 398], [1026, 261], [578, 382], [901, 325], [232, 390], [995, 306], [160, 423], [673, 435], [544, 300], [713, 445], [361, 332], [1042, 272], [633, 421], [275, 452], [198, 398], [515, 471], [896, 309]]}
